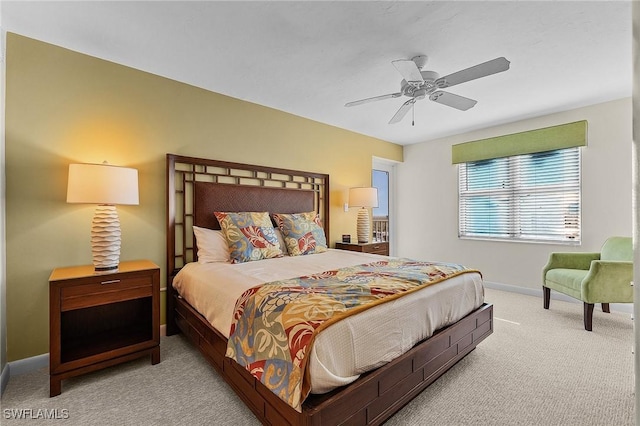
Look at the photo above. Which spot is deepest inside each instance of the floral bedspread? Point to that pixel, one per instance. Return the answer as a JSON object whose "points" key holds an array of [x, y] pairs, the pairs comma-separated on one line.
{"points": [[275, 324]]}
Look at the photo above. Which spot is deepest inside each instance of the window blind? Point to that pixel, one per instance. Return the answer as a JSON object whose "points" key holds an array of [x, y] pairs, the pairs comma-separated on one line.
{"points": [[530, 197]]}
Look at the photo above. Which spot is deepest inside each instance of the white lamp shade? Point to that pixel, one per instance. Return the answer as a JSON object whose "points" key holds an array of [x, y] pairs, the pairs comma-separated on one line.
{"points": [[363, 197], [102, 184]]}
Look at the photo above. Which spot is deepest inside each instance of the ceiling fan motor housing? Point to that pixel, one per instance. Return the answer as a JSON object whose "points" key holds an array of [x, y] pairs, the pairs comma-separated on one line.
{"points": [[422, 89], [420, 94]]}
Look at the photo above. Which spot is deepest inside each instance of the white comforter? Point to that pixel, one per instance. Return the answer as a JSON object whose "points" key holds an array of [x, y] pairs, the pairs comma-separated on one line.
{"points": [[352, 346]]}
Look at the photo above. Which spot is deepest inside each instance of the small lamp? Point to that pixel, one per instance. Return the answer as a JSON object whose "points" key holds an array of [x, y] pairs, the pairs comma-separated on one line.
{"points": [[105, 185], [365, 198]]}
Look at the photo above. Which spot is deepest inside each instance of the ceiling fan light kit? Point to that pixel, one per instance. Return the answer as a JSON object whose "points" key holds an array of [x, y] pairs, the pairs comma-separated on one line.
{"points": [[418, 84]]}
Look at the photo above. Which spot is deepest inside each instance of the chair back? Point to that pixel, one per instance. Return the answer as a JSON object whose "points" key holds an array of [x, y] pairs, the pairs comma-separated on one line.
{"points": [[617, 248]]}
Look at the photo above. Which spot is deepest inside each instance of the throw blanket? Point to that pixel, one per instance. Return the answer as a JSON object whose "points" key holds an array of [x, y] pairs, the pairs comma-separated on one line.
{"points": [[275, 324]]}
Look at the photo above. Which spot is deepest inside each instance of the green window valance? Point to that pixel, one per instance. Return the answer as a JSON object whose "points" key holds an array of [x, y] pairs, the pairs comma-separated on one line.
{"points": [[540, 140]]}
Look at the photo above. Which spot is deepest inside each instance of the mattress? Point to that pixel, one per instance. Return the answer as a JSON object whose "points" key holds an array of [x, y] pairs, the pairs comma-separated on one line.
{"points": [[352, 346]]}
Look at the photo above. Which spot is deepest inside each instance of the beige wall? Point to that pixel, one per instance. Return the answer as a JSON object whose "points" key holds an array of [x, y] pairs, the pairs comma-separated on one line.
{"points": [[64, 107], [433, 216]]}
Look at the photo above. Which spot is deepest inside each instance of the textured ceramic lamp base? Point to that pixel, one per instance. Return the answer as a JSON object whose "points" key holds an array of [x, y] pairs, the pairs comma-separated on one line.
{"points": [[363, 225], [105, 238]]}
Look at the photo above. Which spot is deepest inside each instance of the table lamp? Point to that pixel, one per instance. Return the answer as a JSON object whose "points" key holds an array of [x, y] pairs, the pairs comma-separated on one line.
{"points": [[106, 186], [364, 198]]}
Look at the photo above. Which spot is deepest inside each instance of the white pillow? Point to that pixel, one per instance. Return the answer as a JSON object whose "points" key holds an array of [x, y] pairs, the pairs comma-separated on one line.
{"points": [[212, 245]]}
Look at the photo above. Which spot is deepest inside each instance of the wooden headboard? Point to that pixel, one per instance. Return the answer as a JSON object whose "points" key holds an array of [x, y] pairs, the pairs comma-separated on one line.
{"points": [[197, 187], [220, 197]]}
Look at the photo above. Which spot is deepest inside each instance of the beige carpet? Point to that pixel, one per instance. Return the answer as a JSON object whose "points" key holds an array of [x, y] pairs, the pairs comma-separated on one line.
{"points": [[538, 368]]}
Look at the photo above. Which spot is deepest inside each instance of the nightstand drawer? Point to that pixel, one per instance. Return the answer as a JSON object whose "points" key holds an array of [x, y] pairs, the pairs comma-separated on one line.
{"points": [[373, 248], [107, 289], [377, 248]]}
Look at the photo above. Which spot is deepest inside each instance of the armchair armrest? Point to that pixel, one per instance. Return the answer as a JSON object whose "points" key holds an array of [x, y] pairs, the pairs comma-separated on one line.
{"points": [[608, 282], [569, 261]]}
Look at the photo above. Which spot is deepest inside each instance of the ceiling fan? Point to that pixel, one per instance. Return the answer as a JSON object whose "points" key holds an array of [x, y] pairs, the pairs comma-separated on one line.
{"points": [[418, 84]]}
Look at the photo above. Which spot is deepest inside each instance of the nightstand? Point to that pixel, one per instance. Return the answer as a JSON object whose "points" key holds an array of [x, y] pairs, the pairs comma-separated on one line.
{"points": [[375, 247], [97, 320]]}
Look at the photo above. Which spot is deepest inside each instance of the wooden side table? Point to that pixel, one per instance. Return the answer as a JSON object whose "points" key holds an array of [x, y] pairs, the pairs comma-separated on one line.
{"points": [[97, 320], [375, 247]]}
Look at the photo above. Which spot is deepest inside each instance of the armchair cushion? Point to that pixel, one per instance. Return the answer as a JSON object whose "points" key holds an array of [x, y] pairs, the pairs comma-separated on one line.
{"points": [[567, 281]]}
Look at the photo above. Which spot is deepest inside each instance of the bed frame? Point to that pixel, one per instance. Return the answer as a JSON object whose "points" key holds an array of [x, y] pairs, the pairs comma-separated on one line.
{"points": [[197, 187]]}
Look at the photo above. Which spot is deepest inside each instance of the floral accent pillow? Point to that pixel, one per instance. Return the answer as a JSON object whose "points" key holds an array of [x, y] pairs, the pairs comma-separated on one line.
{"points": [[250, 236], [303, 233]]}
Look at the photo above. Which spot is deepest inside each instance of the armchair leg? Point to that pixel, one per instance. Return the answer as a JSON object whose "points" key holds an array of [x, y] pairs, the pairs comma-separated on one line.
{"points": [[547, 296], [588, 316], [605, 308]]}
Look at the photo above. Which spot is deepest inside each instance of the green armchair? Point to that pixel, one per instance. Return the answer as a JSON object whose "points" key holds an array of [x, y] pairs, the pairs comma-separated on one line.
{"points": [[603, 277]]}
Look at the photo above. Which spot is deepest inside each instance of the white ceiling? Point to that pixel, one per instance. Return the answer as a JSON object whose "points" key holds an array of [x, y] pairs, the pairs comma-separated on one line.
{"points": [[310, 58]]}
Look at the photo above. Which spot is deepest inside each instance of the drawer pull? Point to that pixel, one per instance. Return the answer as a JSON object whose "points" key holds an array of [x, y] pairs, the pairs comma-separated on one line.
{"points": [[376, 247], [110, 282]]}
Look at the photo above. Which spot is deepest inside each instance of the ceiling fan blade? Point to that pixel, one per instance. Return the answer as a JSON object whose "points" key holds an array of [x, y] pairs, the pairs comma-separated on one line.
{"points": [[409, 71], [402, 111], [375, 98], [454, 101], [481, 70]]}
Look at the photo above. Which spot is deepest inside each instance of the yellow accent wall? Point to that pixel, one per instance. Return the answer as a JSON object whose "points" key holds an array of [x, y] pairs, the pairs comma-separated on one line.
{"points": [[64, 107]]}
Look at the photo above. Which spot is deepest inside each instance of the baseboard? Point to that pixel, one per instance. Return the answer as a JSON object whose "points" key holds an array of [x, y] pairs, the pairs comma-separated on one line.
{"points": [[626, 308], [4, 378], [22, 366], [28, 365]]}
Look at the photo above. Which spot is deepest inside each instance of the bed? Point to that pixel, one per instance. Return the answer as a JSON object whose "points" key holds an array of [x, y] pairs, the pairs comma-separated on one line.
{"points": [[198, 187]]}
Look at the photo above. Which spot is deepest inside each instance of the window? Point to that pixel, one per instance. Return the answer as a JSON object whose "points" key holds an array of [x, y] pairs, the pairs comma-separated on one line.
{"points": [[529, 197], [380, 179]]}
